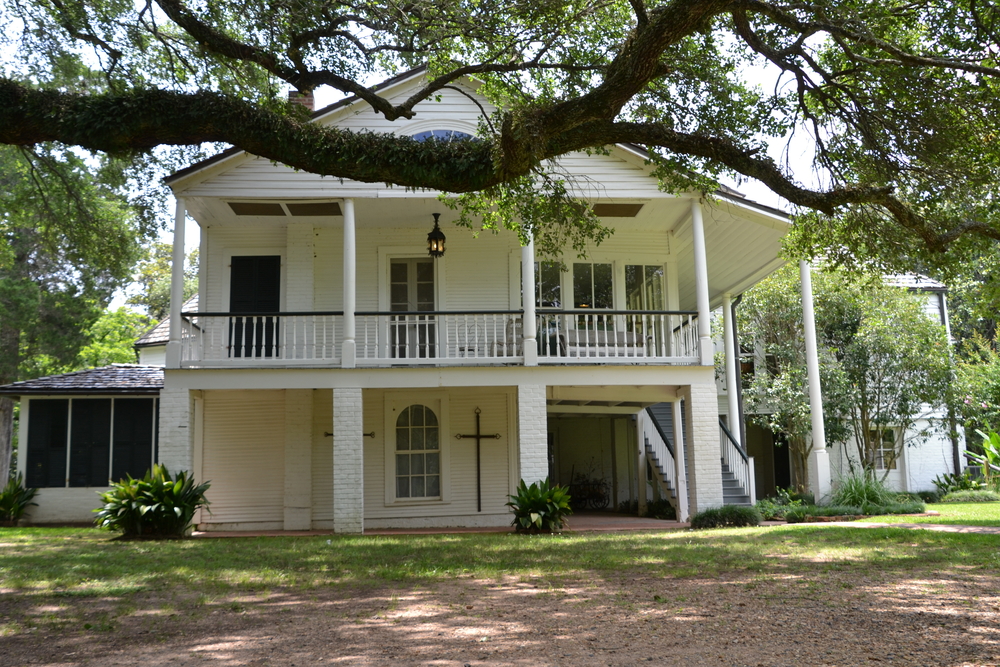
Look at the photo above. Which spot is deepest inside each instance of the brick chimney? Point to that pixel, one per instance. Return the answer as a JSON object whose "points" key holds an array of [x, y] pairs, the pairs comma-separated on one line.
{"points": [[305, 99]]}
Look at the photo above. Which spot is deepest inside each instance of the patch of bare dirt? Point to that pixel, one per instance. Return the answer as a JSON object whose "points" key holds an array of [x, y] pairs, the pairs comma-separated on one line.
{"points": [[827, 619]]}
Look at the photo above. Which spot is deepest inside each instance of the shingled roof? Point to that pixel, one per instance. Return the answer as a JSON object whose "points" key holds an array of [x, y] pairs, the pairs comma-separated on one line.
{"points": [[160, 334], [113, 379]]}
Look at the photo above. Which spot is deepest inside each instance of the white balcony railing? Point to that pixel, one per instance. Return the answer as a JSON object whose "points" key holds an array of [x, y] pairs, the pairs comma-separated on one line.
{"points": [[250, 339], [438, 338], [589, 336]]}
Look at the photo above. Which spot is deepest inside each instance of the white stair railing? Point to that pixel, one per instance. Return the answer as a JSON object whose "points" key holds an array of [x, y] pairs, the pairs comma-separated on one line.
{"points": [[740, 464], [661, 450]]}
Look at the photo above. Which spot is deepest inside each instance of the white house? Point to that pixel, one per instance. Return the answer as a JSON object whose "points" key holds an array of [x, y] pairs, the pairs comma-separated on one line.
{"points": [[333, 375]]}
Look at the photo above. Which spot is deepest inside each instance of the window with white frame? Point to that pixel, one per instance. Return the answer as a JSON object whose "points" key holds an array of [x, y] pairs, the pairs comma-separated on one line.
{"points": [[81, 442], [548, 285], [885, 452], [418, 453], [593, 285], [644, 287]]}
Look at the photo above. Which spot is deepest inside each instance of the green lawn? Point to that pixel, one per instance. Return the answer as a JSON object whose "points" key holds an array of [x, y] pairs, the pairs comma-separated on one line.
{"points": [[85, 563], [966, 514]]}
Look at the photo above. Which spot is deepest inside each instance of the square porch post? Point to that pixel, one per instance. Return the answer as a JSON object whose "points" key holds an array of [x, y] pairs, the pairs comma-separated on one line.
{"points": [[298, 459], [705, 472], [680, 462], [532, 433], [348, 461]]}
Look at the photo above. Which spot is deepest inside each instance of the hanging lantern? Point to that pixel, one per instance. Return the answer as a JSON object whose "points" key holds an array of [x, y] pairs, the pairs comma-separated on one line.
{"points": [[435, 240]]}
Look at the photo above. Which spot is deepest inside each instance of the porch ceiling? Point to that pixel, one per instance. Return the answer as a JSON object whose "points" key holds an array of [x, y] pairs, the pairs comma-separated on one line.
{"points": [[742, 240]]}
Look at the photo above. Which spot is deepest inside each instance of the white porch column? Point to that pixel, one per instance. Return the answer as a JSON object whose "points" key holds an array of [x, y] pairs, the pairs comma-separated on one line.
{"points": [[732, 363], [701, 284], [176, 287], [348, 461], [640, 462], [298, 459], [532, 433], [680, 463], [348, 349], [819, 459], [529, 322], [705, 473]]}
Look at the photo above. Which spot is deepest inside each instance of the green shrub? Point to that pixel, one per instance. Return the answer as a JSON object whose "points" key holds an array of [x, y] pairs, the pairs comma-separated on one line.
{"points": [[661, 509], [928, 496], [977, 496], [775, 507], [157, 505], [727, 516], [951, 482], [799, 514], [540, 507], [15, 499], [861, 490]]}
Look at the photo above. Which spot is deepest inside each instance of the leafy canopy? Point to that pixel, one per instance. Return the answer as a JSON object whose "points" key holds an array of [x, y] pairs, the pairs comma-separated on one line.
{"points": [[896, 101]]}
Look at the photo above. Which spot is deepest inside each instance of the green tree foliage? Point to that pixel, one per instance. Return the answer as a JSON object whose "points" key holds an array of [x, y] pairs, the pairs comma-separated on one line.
{"points": [[66, 243], [881, 361], [152, 280], [895, 102]]}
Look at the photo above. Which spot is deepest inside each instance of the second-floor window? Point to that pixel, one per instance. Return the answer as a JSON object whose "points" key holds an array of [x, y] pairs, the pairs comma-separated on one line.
{"points": [[548, 285], [644, 287], [593, 285]]}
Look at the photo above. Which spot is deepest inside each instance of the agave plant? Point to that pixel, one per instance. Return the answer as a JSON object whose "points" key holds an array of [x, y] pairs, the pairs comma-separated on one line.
{"points": [[157, 505], [15, 499], [540, 507]]}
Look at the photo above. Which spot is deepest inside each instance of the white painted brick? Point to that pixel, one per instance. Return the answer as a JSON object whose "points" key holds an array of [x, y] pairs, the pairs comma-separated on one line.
{"points": [[348, 461], [532, 421], [705, 472], [176, 444], [298, 459]]}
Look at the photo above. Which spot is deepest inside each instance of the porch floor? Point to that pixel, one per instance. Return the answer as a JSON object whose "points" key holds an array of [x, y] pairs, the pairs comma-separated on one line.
{"points": [[583, 522]]}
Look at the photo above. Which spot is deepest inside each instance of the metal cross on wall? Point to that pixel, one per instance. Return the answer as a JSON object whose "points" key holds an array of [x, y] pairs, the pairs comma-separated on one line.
{"points": [[479, 436]]}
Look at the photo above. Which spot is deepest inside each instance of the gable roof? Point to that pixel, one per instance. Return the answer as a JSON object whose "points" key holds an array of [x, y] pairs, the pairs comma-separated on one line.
{"points": [[160, 334], [113, 379], [339, 104]]}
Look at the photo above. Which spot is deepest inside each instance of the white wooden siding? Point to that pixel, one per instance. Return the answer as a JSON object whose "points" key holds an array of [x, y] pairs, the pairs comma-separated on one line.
{"points": [[462, 458], [244, 456]]}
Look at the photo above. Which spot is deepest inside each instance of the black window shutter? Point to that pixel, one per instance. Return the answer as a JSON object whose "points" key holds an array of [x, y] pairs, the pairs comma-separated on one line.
{"points": [[255, 284]]}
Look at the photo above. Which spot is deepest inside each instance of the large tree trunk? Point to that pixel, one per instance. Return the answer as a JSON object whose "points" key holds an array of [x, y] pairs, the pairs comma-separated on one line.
{"points": [[6, 437], [10, 339]]}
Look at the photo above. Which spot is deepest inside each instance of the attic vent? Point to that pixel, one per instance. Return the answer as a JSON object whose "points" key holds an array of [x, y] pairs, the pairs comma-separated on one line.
{"points": [[256, 208], [617, 210], [315, 209]]}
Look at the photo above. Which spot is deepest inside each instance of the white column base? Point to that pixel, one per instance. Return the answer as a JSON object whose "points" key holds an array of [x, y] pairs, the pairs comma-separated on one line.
{"points": [[348, 461], [348, 354], [173, 359], [532, 433], [819, 475], [530, 352]]}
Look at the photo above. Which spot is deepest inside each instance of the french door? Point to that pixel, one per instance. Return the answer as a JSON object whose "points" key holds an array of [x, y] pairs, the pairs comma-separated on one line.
{"points": [[411, 291], [254, 291]]}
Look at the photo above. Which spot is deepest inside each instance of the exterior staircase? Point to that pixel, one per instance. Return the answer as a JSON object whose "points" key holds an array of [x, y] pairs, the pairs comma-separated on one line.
{"points": [[733, 490]]}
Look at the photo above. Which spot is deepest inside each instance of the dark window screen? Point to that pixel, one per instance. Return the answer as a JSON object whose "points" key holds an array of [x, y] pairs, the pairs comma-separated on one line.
{"points": [[133, 437], [255, 287], [46, 462], [90, 439]]}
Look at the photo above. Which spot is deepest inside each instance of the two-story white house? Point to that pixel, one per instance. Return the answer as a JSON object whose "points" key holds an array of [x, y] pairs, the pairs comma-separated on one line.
{"points": [[335, 375]]}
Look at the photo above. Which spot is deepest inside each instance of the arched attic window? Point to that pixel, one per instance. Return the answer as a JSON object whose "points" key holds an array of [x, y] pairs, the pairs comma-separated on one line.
{"points": [[442, 135]]}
